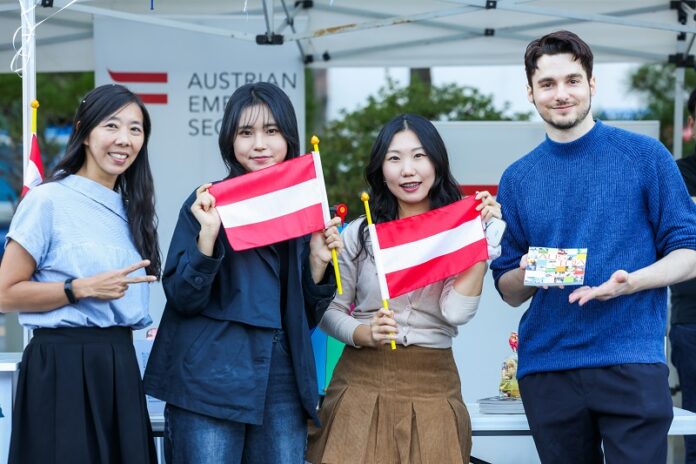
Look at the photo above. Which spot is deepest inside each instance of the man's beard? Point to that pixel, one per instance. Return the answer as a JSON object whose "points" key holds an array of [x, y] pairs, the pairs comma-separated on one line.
{"points": [[568, 124]]}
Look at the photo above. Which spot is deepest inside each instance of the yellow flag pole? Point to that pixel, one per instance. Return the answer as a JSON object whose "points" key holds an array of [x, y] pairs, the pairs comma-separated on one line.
{"points": [[34, 106], [365, 198], [334, 256]]}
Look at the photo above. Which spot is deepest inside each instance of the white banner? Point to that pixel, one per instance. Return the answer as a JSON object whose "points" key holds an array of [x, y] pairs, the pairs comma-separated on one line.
{"points": [[186, 78]]}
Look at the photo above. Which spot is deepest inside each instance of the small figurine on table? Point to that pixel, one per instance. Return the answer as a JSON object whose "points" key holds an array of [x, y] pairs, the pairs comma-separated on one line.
{"points": [[508, 376]]}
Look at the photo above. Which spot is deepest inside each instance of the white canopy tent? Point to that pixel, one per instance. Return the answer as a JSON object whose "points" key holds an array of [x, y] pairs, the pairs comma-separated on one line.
{"points": [[413, 33], [354, 33]]}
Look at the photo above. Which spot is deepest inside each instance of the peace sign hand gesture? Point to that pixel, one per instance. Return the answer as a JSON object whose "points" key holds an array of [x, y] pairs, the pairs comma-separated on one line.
{"points": [[110, 285]]}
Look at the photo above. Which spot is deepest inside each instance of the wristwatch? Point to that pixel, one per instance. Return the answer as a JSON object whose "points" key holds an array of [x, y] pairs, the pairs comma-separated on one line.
{"points": [[67, 288]]}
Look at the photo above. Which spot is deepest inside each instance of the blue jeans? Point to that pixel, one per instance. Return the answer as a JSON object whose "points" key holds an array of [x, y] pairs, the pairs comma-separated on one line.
{"points": [[683, 340], [196, 438]]}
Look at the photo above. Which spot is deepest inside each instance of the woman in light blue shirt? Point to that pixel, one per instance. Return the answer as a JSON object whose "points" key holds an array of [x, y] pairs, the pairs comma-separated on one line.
{"points": [[78, 254]]}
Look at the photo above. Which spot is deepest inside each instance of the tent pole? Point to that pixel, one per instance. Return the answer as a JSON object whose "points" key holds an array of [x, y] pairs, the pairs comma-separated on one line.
{"points": [[581, 16], [679, 72], [159, 21], [28, 89], [28, 75], [268, 12]]}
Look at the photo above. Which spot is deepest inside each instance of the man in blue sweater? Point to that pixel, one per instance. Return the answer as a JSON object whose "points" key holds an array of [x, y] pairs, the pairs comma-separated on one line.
{"points": [[592, 366]]}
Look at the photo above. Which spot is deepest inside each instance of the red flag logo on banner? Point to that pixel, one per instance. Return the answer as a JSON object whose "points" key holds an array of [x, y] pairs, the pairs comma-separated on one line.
{"points": [[413, 252], [34, 171], [283, 201], [140, 77]]}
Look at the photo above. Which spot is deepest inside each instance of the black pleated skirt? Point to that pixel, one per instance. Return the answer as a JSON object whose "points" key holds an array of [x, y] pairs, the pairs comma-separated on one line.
{"points": [[80, 399]]}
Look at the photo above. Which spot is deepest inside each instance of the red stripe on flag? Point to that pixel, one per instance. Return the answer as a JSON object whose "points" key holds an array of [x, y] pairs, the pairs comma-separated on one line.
{"points": [[409, 279], [138, 77], [424, 225], [471, 189], [154, 98], [276, 230], [35, 155], [277, 177]]}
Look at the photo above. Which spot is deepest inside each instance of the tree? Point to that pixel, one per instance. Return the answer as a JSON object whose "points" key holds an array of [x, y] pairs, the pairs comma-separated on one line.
{"points": [[346, 142], [58, 95], [655, 83]]}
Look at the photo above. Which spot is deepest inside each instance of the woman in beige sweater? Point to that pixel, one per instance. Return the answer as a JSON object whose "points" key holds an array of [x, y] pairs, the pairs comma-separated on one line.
{"points": [[404, 405]]}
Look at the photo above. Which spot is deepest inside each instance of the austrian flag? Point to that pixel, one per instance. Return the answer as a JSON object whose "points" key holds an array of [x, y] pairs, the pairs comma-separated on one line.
{"points": [[419, 250], [34, 171], [284, 201]]}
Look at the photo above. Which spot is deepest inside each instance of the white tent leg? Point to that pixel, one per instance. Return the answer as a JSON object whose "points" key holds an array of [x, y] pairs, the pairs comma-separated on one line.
{"points": [[678, 112], [28, 74], [28, 87]]}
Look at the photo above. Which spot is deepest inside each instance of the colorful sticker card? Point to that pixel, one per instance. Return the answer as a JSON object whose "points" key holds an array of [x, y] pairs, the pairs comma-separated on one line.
{"points": [[555, 266]]}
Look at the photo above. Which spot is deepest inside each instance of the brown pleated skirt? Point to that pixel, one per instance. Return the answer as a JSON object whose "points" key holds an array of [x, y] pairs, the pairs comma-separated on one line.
{"points": [[401, 407]]}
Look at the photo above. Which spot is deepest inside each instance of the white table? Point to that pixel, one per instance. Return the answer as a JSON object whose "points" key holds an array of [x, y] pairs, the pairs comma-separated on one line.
{"points": [[684, 423], [500, 425], [9, 369]]}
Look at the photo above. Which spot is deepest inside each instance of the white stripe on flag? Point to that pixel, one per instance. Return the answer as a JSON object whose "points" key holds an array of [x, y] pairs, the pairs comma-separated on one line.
{"points": [[320, 178], [270, 205], [414, 253], [377, 252], [32, 176]]}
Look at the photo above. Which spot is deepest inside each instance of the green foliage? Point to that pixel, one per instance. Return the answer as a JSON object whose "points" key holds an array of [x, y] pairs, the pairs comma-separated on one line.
{"points": [[655, 83], [58, 95], [346, 142]]}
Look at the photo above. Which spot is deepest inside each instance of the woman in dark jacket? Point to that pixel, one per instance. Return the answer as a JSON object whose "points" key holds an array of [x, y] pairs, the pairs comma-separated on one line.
{"points": [[233, 358]]}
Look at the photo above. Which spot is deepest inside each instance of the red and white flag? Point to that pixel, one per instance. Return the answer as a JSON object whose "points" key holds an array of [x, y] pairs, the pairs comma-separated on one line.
{"points": [[283, 201], [413, 252], [33, 171]]}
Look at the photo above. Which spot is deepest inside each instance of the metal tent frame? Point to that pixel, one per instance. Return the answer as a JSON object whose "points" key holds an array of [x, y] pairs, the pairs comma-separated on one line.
{"points": [[371, 33]]}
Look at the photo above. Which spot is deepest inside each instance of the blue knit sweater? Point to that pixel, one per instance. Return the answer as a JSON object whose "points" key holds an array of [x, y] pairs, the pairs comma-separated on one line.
{"points": [[620, 195]]}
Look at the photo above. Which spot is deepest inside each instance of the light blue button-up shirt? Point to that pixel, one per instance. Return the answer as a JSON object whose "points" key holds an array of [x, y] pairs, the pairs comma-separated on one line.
{"points": [[76, 227]]}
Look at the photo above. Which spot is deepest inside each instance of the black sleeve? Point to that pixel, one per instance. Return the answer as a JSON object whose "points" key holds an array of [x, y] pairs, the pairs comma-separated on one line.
{"points": [[317, 296]]}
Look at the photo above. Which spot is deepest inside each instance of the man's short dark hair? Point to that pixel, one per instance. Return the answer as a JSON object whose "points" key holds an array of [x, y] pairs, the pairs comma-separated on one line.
{"points": [[557, 43], [691, 104]]}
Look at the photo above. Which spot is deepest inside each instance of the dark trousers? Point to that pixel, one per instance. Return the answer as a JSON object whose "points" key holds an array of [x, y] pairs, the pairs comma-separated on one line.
{"points": [[683, 339], [581, 415]]}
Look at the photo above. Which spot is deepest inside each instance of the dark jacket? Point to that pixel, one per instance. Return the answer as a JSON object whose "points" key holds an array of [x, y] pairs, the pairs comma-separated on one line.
{"points": [[212, 354], [683, 294]]}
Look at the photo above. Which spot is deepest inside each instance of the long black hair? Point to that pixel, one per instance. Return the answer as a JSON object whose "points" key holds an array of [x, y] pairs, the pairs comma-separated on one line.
{"points": [[383, 204], [260, 94], [135, 184]]}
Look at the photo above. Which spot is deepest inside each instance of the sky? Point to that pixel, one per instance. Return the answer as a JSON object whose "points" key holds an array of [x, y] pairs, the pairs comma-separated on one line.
{"points": [[350, 87]]}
